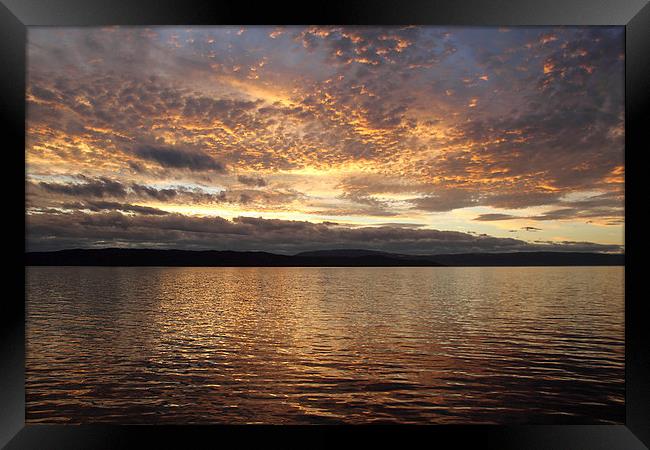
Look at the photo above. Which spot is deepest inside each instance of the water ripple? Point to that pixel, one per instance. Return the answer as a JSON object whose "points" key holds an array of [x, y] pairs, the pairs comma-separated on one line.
{"points": [[325, 345]]}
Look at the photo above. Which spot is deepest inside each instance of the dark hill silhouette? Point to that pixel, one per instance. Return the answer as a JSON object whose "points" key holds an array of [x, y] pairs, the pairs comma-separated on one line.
{"points": [[531, 259], [326, 258], [346, 253]]}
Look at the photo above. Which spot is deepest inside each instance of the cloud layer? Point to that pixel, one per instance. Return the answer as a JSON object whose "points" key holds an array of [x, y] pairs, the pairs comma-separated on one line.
{"points": [[480, 130]]}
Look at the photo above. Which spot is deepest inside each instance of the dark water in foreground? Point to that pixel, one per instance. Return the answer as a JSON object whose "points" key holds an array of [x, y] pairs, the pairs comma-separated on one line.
{"points": [[325, 345]]}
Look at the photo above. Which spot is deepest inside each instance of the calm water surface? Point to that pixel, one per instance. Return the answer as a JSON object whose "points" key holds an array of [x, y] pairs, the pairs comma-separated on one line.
{"points": [[325, 345]]}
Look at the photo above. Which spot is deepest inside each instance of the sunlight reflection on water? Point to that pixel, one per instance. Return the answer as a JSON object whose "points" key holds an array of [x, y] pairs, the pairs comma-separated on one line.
{"points": [[321, 345]]}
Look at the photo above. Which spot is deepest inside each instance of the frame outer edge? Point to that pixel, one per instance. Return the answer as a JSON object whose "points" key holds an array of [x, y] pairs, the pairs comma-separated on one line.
{"points": [[12, 307], [324, 12], [637, 117], [16, 14]]}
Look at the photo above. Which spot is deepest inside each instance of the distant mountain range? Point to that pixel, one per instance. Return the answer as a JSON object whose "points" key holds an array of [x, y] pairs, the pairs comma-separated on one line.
{"points": [[323, 258]]}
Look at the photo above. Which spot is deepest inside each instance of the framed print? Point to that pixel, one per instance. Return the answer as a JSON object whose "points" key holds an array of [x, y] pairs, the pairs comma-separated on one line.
{"points": [[374, 220]]}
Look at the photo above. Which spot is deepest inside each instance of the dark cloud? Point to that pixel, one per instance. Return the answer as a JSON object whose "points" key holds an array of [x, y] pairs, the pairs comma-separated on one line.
{"points": [[576, 213], [97, 206], [100, 187], [609, 205], [365, 204], [446, 200], [43, 93], [401, 225], [521, 198], [179, 159], [251, 181], [162, 195], [248, 233], [494, 216], [39, 194]]}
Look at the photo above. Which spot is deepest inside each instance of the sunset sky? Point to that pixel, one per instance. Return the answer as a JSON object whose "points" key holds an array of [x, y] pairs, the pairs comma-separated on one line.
{"points": [[284, 139]]}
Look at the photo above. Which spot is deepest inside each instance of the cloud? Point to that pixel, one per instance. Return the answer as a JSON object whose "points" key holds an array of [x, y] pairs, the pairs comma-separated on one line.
{"points": [[374, 46], [251, 181], [446, 200], [530, 136], [494, 216], [98, 206], [158, 194], [179, 159], [401, 225], [40, 195], [369, 184], [100, 187], [609, 205], [250, 233], [336, 121]]}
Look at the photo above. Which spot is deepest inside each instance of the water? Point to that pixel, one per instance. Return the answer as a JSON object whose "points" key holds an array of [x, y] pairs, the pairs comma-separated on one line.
{"points": [[325, 345]]}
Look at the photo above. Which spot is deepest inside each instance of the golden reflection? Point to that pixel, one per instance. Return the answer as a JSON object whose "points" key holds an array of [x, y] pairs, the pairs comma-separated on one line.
{"points": [[324, 345]]}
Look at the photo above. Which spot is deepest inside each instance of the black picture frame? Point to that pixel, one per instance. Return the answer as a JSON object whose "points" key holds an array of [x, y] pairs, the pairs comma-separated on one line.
{"points": [[16, 15]]}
